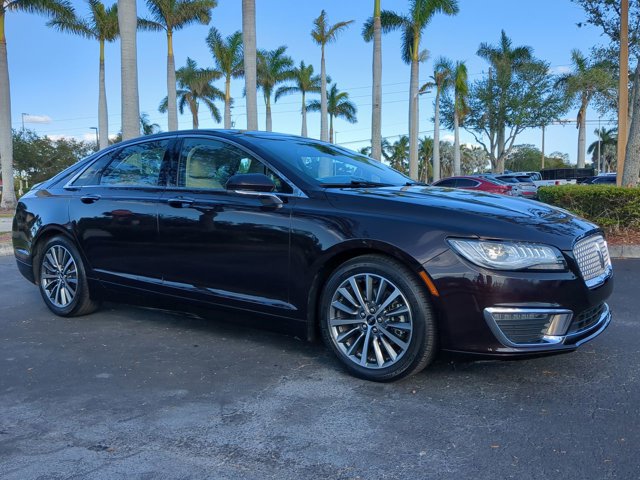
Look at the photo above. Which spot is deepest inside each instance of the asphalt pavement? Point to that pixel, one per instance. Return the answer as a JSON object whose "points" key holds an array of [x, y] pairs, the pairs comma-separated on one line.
{"points": [[136, 393]]}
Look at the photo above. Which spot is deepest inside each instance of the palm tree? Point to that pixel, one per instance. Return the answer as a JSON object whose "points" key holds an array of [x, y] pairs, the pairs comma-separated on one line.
{"points": [[373, 30], [425, 152], [304, 82], [250, 61], [586, 80], [130, 100], [194, 86], [338, 106], [460, 108], [227, 55], [101, 25], [322, 34], [274, 67], [398, 153], [600, 149], [170, 16], [45, 7], [505, 60], [441, 80], [421, 12], [146, 126]]}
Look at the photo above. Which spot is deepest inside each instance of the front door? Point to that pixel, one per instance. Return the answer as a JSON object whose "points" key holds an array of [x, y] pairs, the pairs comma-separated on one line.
{"points": [[221, 246]]}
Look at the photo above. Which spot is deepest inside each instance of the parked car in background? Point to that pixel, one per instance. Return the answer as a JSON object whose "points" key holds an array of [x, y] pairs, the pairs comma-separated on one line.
{"points": [[480, 184], [606, 179], [319, 240], [522, 184]]}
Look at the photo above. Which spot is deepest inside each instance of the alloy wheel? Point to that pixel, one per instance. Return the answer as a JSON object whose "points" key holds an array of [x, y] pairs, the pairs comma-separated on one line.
{"points": [[59, 276]]}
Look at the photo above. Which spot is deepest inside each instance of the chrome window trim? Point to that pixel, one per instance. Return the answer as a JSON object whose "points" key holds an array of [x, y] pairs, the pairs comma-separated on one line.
{"points": [[69, 185], [297, 192]]}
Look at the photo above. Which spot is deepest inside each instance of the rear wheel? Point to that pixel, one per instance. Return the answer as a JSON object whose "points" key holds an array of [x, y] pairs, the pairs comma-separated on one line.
{"points": [[377, 318], [62, 279]]}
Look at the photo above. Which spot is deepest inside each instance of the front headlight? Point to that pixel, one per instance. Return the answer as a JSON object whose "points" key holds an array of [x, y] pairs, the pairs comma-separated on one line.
{"points": [[498, 255]]}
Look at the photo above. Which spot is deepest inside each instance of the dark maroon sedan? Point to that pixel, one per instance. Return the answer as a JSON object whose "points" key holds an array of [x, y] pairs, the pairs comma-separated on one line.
{"points": [[480, 184], [317, 238]]}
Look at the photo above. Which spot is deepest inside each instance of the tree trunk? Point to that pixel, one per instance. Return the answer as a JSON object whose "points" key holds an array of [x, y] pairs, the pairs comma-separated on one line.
{"points": [[631, 169], [304, 116], [227, 102], [324, 136], [6, 138], [172, 101], [193, 106], [330, 128], [267, 101], [103, 115], [436, 138], [413, 119], [456, 143], [582, 134], [250, 72], [376, 109], [128, 25]]}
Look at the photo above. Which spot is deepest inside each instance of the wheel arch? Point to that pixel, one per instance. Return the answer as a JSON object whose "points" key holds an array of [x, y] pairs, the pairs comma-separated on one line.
{"points": [[41, 238]]}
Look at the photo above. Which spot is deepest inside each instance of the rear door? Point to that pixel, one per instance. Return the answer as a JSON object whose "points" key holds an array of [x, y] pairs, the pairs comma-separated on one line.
{"points": [[114, 213]]}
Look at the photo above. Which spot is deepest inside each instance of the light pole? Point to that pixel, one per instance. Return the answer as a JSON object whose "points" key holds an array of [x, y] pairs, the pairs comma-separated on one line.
{"points": [[23, 115], [623, 86], [97, 139]]}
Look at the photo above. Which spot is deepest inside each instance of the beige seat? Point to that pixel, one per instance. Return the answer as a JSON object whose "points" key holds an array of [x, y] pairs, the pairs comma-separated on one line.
{"points": [[201, 171]]}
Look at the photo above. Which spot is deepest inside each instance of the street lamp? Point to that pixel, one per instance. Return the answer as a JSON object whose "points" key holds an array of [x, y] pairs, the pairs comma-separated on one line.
{"points": [[97, 140], [23, 115]]}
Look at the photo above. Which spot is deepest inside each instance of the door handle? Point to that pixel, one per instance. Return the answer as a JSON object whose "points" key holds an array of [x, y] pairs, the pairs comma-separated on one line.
{"points": [[180, 202], [90, 198]]}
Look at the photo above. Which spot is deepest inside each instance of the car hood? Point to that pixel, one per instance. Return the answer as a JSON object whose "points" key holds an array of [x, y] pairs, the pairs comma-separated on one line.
{"points": [[470, 213]]}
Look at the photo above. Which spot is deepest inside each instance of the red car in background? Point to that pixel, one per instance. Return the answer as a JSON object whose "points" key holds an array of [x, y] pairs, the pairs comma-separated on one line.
{"points": [[475, 183]]}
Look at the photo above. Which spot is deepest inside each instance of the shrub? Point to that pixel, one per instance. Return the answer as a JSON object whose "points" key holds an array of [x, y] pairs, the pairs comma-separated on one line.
{"points": [[615, 209]]}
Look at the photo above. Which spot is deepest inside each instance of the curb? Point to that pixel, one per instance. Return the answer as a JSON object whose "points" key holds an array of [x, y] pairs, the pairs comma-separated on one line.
{"points": [[624, 251]]}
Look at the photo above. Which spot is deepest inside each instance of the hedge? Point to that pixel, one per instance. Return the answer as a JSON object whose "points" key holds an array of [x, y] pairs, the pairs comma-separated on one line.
{"points": [[615, 209]]}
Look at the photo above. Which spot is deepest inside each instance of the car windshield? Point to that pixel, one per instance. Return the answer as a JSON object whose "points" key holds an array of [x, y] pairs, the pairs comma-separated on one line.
{"points": [[509, 179], [332, 166]]}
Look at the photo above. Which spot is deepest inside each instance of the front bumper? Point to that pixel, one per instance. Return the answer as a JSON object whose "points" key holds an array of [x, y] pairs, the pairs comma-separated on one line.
{"points": [[470, 297]]}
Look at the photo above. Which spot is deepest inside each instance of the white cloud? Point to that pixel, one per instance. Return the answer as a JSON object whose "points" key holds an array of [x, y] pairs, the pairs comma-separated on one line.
{"points": [[560, 70], [36, 119], [447, 138]]}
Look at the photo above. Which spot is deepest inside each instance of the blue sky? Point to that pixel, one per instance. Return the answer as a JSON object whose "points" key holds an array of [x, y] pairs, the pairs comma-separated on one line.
{"points": [[56, 75]]}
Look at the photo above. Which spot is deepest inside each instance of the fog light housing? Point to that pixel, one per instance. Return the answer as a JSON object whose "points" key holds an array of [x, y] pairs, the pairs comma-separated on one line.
{"points": [[517, 327]]}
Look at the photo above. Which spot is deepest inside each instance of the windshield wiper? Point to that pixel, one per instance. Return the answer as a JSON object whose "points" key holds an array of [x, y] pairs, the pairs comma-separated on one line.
{"points": [[355, 184]]}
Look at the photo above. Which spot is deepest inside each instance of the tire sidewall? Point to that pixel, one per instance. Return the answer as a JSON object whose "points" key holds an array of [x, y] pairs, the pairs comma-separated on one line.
{"points": [[422, 318]]}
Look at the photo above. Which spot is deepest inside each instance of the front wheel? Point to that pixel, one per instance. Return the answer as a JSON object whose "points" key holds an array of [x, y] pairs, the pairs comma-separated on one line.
{"points": [[62, 279], [377, 318]]}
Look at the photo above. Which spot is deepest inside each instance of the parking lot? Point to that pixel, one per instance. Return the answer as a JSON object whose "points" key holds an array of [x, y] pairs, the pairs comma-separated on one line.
{"points": [[138, 393]]}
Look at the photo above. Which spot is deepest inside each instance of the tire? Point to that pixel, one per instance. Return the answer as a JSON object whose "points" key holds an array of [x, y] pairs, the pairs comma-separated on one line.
{"points": [[62, 279], [392, 310]]}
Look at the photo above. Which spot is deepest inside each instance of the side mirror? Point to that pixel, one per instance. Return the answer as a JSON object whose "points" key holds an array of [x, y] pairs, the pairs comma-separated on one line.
{"points": [[250, 182]]}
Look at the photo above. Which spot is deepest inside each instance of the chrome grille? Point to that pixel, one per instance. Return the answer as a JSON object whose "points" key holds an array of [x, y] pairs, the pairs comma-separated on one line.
{"points": [[592, 256]]}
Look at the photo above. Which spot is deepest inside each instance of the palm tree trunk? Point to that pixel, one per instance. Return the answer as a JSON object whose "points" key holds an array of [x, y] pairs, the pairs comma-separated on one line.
{"points": [[631, 168], [267, 101], [456, 143], [128, 24], [582, 135], [323, 99], [250, 72], [6, 139], [227, 102], [376, 112], [172, 100], [103, 116], [304, 115], [193, 106], [330, 128], [413, 119], [436, 138]]}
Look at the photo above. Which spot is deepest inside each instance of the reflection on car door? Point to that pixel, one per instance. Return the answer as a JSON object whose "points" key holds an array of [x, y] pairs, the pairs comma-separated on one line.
{"points": [[221, 245], [114, 213]]}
